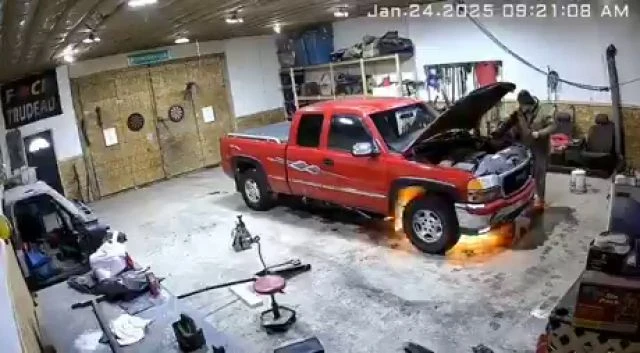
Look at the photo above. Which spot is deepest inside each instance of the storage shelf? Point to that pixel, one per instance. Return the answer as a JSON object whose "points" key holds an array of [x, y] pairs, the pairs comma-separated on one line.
{"points": [[353, 62], [332, 68]]}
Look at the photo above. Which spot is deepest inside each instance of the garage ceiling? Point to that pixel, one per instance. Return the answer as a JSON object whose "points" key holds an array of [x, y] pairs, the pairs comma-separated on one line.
{"points": [[35, 33]]}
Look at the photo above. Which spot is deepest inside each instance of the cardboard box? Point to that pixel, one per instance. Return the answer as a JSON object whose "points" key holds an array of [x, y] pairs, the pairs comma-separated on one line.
{"points": [[608, 303]]}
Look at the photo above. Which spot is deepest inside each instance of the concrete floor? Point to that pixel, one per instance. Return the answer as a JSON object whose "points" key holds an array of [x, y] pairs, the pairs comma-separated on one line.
{"points": [[369, 290]]}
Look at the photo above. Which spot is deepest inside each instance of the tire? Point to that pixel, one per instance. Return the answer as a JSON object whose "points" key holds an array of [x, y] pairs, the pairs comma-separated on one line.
{"points": [[255, 191], [436, 224]]}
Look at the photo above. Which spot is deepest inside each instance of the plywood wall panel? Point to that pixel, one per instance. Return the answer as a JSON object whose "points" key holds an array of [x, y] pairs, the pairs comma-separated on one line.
{"points": [[111, 164], [179, 141], [142, 149], [208, 74]]}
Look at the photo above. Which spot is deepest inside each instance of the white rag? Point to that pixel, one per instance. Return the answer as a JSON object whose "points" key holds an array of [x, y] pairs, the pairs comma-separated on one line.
{"points": [[128, 329]]}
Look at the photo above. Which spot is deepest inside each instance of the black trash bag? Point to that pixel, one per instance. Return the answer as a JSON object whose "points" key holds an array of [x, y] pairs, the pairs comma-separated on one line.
{"points": [[125, 286], [391, 43]]}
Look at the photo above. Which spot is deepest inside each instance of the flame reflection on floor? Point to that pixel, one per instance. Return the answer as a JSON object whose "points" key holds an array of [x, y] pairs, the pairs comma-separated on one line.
{"points": [[478, 247]]}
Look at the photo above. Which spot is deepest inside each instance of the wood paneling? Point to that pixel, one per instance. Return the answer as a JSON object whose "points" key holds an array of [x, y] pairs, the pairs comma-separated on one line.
{"points": [[142, 149], [112, 164], [179, 141], [211, 91], [163, 148]]}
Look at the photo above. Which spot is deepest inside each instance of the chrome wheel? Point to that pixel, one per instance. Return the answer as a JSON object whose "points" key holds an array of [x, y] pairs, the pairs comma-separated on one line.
{"points": [[427, 226], [252, 191]]}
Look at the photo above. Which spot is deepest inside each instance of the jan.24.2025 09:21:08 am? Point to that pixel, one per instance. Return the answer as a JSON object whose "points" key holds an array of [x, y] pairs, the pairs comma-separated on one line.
{"points": [[504, 10]]}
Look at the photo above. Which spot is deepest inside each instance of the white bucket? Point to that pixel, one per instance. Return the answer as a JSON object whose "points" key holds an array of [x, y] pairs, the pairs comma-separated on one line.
{"points": [[578, 182]]}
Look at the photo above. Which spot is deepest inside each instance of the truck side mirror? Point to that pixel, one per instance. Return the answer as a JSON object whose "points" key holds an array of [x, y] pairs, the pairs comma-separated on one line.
{"points": [[364, 149]]}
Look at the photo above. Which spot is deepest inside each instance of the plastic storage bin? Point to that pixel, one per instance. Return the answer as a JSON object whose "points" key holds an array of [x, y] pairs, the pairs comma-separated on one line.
{"points": [[318, 45]]}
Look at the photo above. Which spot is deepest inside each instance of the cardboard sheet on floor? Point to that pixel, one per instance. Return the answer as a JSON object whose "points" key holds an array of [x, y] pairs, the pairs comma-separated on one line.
{"points": [[143, 302], [245, 292]]}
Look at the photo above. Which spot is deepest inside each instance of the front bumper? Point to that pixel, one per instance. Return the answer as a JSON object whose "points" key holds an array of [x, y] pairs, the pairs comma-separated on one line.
{"points": [[476, 219]]}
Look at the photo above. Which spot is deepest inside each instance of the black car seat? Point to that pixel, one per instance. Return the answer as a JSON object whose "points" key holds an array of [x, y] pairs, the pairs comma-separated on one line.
{"points": [[564, 124], [599, 152]]}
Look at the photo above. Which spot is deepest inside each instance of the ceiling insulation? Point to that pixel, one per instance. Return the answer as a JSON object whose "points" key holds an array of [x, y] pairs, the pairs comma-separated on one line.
{"points": [[34, 34]]}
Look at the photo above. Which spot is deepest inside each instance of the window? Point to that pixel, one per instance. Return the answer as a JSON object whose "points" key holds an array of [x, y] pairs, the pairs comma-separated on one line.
{"points": [[400, 126], [346, 131], [309, 130]]}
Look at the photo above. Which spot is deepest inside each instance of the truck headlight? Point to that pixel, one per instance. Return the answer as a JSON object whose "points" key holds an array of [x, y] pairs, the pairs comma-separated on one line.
{"points": [[482, 195]]}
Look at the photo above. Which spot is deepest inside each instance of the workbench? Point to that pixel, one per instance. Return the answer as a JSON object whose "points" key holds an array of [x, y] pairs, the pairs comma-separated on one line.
{"points": [[62, 327]]}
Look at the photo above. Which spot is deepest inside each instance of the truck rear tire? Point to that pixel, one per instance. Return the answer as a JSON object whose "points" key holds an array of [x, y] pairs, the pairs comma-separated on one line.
{"points": [[255, 191], [431, 224]]}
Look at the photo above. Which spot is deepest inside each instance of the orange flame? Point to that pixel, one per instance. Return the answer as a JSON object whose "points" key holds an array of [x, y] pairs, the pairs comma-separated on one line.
{"points": [[404, 197], [480, 247]]}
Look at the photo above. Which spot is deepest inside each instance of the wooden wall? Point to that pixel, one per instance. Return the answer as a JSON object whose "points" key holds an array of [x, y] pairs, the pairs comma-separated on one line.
{"points": [[162, 148]]}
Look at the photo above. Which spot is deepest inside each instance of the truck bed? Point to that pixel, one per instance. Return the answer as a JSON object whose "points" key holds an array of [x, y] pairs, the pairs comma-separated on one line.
{"points": [[277, 131]]}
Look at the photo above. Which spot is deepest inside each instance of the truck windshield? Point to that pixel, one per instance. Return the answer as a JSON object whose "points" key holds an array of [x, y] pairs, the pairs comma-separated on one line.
{"points": [[400, 126]]}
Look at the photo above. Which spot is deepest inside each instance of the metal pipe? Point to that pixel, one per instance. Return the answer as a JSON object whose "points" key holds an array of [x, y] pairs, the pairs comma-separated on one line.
{"points": [[104, 325], [616, 102], [216, 286]]}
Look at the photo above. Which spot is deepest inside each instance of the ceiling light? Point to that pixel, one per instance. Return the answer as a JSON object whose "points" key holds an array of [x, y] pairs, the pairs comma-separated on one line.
{"points": [[69, 58], [96, 39], [22, 23], [234, 18], [87, 40], [277, 27], [139, 3], [181, 40], [341, 12]]}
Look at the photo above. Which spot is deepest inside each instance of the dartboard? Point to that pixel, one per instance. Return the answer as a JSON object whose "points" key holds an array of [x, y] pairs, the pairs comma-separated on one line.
{"points": [[176, 113], [135, 122]]}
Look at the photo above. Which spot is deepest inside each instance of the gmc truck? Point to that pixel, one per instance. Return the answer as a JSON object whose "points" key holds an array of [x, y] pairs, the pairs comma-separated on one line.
{"points": [[434, 173]]}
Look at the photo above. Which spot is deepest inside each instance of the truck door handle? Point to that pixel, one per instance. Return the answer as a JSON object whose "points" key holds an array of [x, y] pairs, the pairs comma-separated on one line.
{"points": [[327, 161]]}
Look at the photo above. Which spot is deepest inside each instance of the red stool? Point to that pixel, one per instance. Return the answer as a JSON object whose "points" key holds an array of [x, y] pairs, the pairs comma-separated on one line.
{"points": [[279, 318]]}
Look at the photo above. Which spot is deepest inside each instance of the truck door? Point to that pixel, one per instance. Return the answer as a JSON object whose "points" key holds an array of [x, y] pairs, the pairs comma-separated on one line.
{"points": [[304, 157], [359, 182]]}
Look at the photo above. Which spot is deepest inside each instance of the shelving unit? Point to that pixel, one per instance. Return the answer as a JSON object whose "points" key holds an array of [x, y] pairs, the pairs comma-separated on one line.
{"points": [[362, 65]]}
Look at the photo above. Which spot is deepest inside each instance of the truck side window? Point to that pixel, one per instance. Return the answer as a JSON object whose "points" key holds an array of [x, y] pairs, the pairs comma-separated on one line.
{"points": [[346, 131], [309, 130]]}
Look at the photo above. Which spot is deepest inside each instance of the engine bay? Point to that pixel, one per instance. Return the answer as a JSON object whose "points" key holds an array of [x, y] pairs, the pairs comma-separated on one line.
{"points": [[479, 155]]}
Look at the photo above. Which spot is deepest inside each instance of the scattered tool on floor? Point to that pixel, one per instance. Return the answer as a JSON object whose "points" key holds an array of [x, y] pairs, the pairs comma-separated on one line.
{"points": [[269, 281], [309, 345], [190, 338], [411, 347]]}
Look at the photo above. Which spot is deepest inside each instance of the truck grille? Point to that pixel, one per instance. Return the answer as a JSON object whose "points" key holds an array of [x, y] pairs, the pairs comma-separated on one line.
{"points": [[515, 180]]}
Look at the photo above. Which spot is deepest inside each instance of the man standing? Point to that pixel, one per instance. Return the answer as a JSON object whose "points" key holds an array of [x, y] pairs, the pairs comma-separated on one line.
{"points": [[532, 129]]}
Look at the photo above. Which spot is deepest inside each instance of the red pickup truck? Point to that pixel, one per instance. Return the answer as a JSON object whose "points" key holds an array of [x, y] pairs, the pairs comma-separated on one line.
{"points": [[390, 156]]}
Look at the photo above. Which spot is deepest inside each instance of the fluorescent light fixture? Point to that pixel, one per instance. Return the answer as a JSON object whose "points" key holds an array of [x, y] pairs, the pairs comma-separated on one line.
{"points": [[277, 27], [140, 3], [69, 58], [234, 20], [181, 40], [341, 12], [23, 22], [96, 39], [38, 144], [87, 40]]}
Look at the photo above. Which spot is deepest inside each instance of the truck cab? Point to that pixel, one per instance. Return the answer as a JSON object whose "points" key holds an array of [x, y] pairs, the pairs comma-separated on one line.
{"points": [[390, 156]]}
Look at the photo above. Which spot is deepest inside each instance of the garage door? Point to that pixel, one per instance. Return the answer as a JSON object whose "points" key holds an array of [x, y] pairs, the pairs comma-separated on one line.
{"points": [[184, 109]]}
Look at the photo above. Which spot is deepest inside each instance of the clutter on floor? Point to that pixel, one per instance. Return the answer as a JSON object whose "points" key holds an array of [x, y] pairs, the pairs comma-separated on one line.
{"points": [[267, 281], [53, 236], [601, 311]]}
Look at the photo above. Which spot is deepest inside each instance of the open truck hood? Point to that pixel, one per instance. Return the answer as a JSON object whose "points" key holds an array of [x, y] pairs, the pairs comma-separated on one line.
{"points": [[466, 113]]}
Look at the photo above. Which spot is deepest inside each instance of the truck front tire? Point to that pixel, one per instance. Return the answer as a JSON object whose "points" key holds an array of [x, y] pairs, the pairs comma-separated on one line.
{"points": [[431, 224], [254, 190]]}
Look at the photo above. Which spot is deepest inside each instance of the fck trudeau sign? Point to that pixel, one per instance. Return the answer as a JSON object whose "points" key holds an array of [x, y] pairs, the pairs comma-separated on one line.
{"points": [[30, 99]]}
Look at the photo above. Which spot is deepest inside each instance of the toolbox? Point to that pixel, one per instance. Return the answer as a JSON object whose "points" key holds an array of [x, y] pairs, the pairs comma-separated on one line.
{"points": [[608, 253]]}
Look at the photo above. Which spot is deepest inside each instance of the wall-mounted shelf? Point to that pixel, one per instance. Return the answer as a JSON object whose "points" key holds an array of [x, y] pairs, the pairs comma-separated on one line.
{"points": [[363, 65]]}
